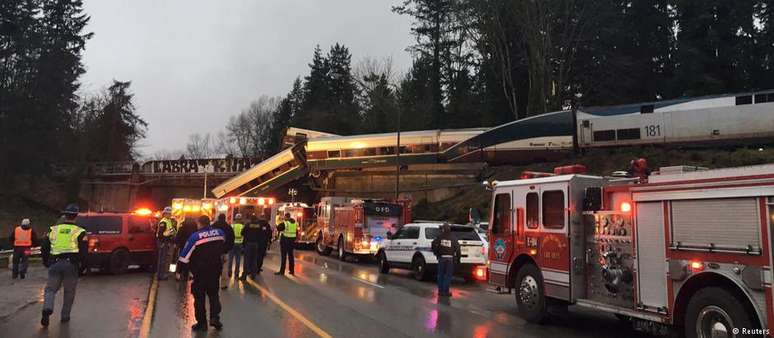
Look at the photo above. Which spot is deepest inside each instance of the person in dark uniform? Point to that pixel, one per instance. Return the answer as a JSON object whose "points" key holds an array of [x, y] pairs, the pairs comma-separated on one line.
{"points": [[229, 231], [445, 247], [64, 247], [287, 231], [264, 238], [203, 253], [250, 246], [187, 227]]}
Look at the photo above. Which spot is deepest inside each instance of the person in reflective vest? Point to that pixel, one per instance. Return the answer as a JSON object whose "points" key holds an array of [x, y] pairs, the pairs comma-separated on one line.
{"points": [[165, 235], [22, 239], [63, 249], [235, 255], [287, 231]]}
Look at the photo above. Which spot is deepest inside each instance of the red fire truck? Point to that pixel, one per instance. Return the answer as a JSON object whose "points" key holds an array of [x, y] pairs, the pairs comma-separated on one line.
{"points": [[357, 226], [304, 216], [689, 250]]}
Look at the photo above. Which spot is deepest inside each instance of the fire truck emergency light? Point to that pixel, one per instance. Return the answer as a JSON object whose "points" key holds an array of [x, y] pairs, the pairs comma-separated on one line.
{"points": [[300, 214], [271, 201], [223, 208], [242, 201], [143, 212], [697, 266], [626, 206], [261, 201], [533, 252], [206, 206], [177, 206]]}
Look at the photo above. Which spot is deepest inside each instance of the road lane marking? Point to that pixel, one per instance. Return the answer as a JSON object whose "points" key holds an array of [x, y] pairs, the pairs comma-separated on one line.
{"points": [[148, 316], [312, 326], [367, 282]]}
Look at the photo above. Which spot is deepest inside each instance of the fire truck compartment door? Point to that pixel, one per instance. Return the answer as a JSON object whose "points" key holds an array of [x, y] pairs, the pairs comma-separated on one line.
{"points": [[651, 255]]}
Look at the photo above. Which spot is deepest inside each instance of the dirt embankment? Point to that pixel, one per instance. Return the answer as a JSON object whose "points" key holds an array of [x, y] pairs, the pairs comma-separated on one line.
{"points": [[599, 162]]}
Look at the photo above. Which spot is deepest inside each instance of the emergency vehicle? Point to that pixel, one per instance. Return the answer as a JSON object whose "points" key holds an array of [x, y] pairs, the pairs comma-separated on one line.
{"points": [[305, 218], [117, 240], [246, 206], [411, 248], [357, 226], [191, 207], [688, 250]]}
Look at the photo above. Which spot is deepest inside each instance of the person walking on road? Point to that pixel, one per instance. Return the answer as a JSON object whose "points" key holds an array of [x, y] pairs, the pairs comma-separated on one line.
{"points": [[165, 235], [63, 248], [203, 252], [446, 248], [187, 227], [287, 232], [235, 255], [23, 238], [229, 233]]}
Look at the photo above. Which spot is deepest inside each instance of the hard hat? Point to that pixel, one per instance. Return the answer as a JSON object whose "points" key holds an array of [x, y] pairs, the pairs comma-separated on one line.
{"points": [[167, 210], [238, 216], [71, 209], [26, 221]]}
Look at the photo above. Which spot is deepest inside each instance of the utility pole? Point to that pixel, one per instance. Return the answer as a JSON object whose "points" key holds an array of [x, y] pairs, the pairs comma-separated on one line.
{"points": [[397, 162]]}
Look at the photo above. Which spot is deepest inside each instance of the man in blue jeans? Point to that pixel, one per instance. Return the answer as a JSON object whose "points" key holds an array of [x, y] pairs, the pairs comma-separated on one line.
{"points": [[445, 247]]}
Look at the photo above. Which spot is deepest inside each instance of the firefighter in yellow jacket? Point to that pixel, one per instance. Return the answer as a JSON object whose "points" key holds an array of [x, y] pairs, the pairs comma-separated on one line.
{"points": [[63, 249]]}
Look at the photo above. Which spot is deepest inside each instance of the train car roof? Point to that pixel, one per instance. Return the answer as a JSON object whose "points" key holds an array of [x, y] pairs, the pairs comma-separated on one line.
{"points": [[634, 108]]}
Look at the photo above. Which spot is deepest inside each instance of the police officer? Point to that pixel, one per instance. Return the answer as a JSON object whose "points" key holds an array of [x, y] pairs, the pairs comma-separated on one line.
{"points": [[63, 248], [186, 228], [22, 239], [445, 247], [202, 253], [287, 231], [250, 245], [165, 234], [235, 255]]}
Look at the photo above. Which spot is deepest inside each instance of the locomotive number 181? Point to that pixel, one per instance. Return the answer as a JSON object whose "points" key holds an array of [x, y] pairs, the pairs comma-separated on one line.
{"points": [[653, 130]]}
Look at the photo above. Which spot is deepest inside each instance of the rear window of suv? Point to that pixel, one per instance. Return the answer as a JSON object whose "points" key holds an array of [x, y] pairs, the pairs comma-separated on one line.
{"points": [[462, 233], [100, 225]]}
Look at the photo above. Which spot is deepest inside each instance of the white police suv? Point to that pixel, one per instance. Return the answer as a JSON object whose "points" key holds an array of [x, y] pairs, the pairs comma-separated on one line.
{"points": [[410, 248]]}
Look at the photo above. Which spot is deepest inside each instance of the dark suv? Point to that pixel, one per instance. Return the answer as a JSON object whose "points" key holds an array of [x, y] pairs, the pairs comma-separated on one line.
{"points": [[117, 240]]}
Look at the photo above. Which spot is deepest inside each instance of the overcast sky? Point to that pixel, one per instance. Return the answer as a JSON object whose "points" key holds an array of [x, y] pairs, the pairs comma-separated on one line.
{"points": [[195, 63]]}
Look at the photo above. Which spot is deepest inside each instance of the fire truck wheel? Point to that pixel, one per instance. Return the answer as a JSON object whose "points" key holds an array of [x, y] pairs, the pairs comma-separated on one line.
{"points": [[119, 261], [384, 266], [419, 268], [322, 249], [714, 312], [530, 296], [340, 253]]}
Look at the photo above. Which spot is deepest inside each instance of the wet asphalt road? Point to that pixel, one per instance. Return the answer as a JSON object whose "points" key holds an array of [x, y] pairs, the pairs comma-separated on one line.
{"points": [[325, 298], [105, 306], [347, 299]]}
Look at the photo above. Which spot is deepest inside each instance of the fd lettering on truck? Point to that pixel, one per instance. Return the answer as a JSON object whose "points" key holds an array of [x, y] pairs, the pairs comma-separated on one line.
{"points": [[688, 250]]}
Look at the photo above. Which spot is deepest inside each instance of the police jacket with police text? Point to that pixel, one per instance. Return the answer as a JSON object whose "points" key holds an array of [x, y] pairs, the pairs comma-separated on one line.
{"points": [[445, 244], [202, 251]]}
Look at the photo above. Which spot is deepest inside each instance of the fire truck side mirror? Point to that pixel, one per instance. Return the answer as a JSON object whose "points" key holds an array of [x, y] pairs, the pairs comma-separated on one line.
{"points": [[592, 200], [489, 185]]}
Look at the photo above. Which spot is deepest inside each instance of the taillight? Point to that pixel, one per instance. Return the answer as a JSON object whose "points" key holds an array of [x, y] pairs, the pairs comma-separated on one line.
{"points": [[479, 273], [93, 244]]}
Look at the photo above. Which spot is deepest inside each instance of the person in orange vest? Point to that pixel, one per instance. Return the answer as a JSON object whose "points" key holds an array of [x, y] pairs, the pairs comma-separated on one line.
{"points": [[22, 238]]}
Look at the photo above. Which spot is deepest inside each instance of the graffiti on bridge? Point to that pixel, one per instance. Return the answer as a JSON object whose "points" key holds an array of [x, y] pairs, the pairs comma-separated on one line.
{"points": [[183, 166]]}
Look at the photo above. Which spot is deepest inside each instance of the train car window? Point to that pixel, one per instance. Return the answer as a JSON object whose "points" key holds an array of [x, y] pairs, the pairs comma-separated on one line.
{"points": [[387, 151], [744, 99], [334, 153], [532, 210], [604, 135], [761, 98], [502, 213], [553, 209], [647, 109], [628, 134]]}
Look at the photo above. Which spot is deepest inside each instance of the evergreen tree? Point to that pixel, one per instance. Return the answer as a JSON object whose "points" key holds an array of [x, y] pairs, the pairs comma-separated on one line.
{"points": [[415, 98], [342, 88], [316, 93], [118, 127]]}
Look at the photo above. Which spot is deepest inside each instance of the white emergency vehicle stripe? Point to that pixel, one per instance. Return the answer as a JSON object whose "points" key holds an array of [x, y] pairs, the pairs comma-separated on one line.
{"points": [[557, 277], [187, 257], [498, 267]]}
